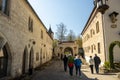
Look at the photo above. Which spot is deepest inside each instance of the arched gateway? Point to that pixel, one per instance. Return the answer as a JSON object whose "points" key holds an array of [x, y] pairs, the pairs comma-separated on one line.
{"points": [[66, 47], [111, 58], [68, 50]]}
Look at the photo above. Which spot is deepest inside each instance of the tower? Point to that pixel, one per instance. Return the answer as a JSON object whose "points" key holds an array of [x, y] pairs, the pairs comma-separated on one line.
{"points": [[50, 32]]}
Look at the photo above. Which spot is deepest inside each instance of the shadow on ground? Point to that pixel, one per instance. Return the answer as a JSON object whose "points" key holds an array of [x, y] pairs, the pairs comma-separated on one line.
{"points": [[107, 74]]}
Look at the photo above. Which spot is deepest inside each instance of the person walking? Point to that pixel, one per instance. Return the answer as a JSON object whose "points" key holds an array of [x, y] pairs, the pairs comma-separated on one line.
{"points": [[97, 62], [70, 64], [65, 61], [91, 62], [61, 57], [78, 63]]}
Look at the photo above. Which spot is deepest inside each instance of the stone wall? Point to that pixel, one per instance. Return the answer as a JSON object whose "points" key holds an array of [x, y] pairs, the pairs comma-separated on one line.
{"points": [[91, 38], [109, 32], [15, 29]]}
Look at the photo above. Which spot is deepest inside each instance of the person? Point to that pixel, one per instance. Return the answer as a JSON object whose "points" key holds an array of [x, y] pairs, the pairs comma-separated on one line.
{"points": [[91, 61], [78, 62], [65, 61], [70, 64], [30, 70], [61, 57], [97, 62]]}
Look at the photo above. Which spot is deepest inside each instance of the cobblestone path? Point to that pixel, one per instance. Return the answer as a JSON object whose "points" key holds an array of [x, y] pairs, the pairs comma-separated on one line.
{"points": [[54, 71]]}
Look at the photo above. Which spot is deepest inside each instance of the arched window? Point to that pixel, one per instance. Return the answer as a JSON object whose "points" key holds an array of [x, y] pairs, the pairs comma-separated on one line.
{"points": [[97, 27]]}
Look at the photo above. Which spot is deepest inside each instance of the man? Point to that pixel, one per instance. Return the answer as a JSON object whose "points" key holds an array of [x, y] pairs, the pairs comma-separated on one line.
{"points": [[97, 62], [65, 61]]}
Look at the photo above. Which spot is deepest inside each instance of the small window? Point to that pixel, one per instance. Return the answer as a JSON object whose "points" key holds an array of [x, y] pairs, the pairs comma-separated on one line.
{"points": [[30, 25], [4, 6], [0, 5], [41, 53], [98, 47], [97, 27], [37, 56], [41, 34]]}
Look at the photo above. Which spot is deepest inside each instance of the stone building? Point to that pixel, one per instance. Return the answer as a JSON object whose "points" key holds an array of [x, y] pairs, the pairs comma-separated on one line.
{"points": [[24, 40], [66, 47], [102, 29]]}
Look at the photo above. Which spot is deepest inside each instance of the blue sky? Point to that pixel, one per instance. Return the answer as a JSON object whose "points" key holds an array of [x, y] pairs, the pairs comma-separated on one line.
{"points": [[73, 13]]}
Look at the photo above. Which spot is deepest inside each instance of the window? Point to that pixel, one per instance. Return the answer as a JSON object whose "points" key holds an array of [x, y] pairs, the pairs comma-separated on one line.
{"points": [[4, 6], [41, 54], [37, 56], [97, 27], [91, 48], [98, 47], [41, 34], [30, 25], [0, 5]]}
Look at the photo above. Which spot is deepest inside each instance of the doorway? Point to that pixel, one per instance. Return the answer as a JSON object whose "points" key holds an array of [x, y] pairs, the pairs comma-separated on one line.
{"points": [[25, 58], [3, 61]]}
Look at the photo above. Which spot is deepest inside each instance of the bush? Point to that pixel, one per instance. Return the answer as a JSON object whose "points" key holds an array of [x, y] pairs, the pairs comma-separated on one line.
{"points": [[107, 65]]}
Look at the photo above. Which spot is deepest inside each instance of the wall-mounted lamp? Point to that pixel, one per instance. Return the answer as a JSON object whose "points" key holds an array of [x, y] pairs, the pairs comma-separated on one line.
{"points": [[113, 16]]}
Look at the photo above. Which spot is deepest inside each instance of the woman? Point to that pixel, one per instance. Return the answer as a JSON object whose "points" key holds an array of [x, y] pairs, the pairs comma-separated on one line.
{"points": [[91, 61], [70, 64], [78, 64]]}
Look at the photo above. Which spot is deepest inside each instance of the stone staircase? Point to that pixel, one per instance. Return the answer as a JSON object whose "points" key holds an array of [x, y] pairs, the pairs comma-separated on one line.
{"points": [[117, 66]]}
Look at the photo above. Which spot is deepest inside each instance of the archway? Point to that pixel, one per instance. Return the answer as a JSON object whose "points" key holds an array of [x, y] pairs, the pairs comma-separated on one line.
{"points": [[5, 60], [31, 59], [5, 57], [41, 56], [25, 60], [111, 58], [68, 50]]}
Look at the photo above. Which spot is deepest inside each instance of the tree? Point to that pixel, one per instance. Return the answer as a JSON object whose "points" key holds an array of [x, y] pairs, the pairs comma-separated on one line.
{"points": [[61, 31], [55, 43], [79, 41], [71, 36]]}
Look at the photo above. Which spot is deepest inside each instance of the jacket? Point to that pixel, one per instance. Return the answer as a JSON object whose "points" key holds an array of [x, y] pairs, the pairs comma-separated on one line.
{"points": [[77, 62]]}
